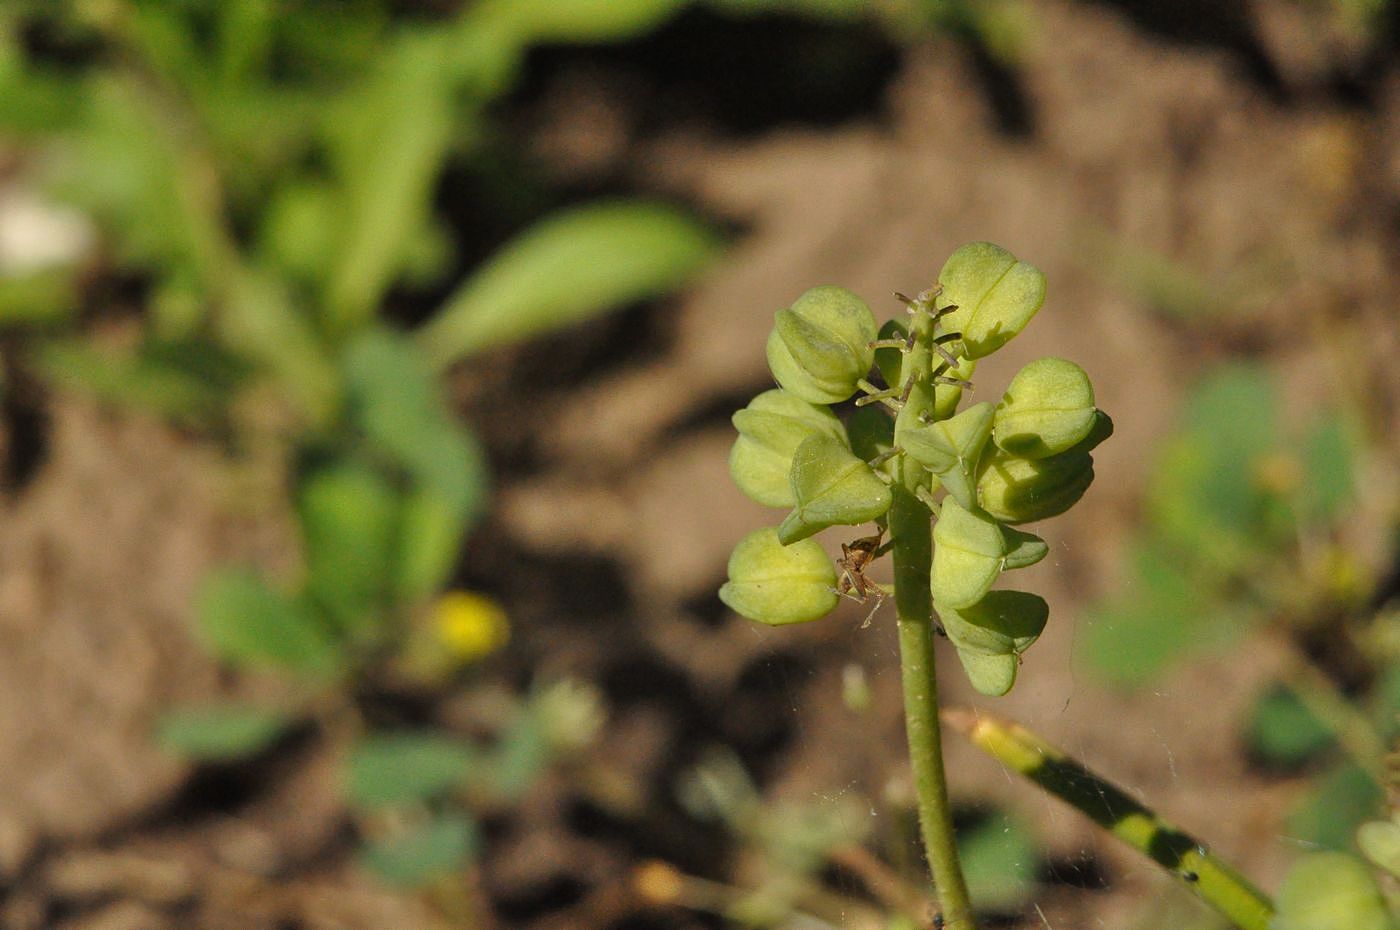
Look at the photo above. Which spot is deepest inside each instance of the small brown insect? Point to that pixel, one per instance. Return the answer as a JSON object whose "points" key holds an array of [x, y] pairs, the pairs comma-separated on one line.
{"points": [[855, 557]]}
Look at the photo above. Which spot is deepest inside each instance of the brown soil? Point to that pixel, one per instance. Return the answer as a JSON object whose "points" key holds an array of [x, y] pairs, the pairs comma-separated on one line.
{"points": [[1240, 154]]}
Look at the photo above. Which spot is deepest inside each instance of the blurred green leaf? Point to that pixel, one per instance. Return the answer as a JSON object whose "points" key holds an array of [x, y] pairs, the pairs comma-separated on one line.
{"points": [[244, 621], [1330, 814], [396, 400], [402, 768], [48, 296], [259, 321], [1283, 730], [349, 521], [440, 846], [1129, 640], [392, 145], [1330, 891], [188, 382], [222, 732], [1329, 464], [1000, 859], [521, 756], [571, 266]]}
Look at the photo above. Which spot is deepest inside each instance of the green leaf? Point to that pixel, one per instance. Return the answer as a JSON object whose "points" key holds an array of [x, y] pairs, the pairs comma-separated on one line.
{"points": [[1336, 807], [431, 527], [439, 847], [243, 621], [394, 138], [777, 584], [951, 449], [1329, 463], [349, 517], [1283, 730], [967, 557], [1003, 625], [571, 266], [149, 379], [1330, 891], [221, 733], [995, 294], [402, 768], [1047, 409], [41, 297], [1000, 859], [831, 486], [396, 400], [1129, 641]]}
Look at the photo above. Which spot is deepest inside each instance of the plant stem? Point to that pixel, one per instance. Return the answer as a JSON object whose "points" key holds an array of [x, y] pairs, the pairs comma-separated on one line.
{"points": [[1214, 881], [910, 530]]}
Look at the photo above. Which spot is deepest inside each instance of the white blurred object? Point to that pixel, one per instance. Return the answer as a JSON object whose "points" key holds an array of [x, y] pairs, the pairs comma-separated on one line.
{"points": [[35, 235]]}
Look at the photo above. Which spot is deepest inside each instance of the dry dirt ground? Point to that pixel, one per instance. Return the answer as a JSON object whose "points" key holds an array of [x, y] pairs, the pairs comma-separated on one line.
{"points": [[1263, 158]]}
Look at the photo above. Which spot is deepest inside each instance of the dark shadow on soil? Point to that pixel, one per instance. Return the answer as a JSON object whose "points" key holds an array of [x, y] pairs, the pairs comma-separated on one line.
{"points": [[1221, 24]]}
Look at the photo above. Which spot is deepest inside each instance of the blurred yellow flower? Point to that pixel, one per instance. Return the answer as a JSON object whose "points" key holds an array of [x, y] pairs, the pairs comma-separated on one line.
{"points": [[469, 625]]}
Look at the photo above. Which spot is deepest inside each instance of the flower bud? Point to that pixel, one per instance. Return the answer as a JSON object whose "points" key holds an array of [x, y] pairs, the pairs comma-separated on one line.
{"points": [[995, 294], [820, 347], [831, 486], [770, 429], [1048, 407], [778, 584]]}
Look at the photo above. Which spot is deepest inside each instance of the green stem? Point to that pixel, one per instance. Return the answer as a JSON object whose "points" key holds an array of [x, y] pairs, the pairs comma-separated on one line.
{"points": [[1213, 881], [913, 553], [910, 530]]}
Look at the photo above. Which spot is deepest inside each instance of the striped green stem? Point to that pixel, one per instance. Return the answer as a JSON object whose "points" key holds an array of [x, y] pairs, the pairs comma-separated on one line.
{"points": [[1213, 881]]}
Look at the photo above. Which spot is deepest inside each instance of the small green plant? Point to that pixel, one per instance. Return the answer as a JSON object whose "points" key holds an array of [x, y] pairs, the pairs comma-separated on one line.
{"points": [[265, 176], [903, 458], [979, 474]]}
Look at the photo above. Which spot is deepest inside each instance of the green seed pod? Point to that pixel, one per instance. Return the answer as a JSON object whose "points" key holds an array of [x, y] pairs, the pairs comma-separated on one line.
{"points": [[770, 429], [951, 449], [995, 294], [969, 549], [1017, 490], [1022, 549], [831, 487], [777, 584], [1379, 840], [820, 347], [1330, 891], [1048, 408], [991, 635]]}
